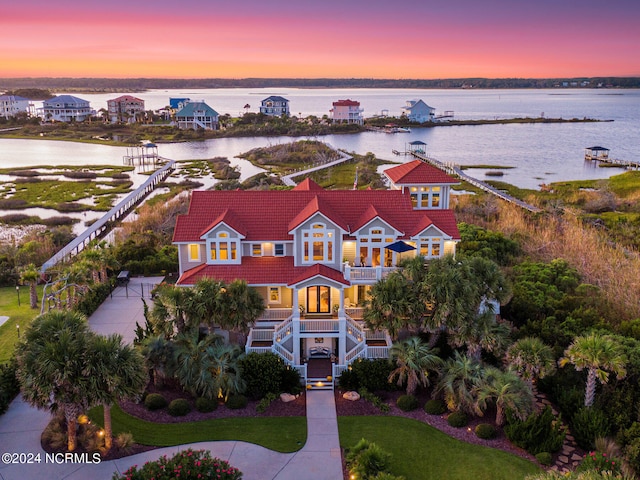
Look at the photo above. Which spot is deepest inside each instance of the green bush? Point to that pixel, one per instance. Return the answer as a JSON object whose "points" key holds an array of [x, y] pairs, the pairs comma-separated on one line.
{"points": [[94, 297], [374, 399], [485, 431], [206, 405], [198, 463], [366, 460], [458, 419], [266, 373], [9, 385], [265, 402], [588, 424], [406, 403], [179, 407], [540, 432], [155, 401], [544, 458], [236, 402], [435, 407], [370, 374]]}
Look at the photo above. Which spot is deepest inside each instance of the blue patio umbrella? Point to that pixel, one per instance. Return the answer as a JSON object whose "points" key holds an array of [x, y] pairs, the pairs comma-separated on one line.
{"points": [[400, 247]]}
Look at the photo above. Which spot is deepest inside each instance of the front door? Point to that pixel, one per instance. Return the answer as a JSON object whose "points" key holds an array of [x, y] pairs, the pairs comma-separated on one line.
{"points": [[318, 299]]}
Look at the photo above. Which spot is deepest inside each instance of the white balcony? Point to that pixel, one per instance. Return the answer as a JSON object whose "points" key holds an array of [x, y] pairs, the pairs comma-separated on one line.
{"points": [[366, 275]]}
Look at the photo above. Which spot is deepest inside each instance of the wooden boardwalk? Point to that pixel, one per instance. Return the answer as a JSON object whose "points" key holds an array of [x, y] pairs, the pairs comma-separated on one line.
{"points": [[630, 164], [288, 179], [455, 170], [101, 225]]}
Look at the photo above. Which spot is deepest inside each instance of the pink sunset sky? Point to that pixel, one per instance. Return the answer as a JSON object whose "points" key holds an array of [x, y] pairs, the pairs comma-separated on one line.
{"points": [[322, 38]]}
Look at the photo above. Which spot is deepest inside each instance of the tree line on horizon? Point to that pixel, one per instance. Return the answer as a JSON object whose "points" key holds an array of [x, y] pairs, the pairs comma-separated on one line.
{"points": [[139, 84]]}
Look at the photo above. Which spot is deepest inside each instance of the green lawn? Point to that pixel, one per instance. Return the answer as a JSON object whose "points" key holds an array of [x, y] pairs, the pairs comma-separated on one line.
{"points": [[421, 452], [18, 315], [282, 434]]}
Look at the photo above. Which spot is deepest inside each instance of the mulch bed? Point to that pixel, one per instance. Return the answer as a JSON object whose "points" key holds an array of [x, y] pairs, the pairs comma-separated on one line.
{"points": [[277, 408], [465, 434]]}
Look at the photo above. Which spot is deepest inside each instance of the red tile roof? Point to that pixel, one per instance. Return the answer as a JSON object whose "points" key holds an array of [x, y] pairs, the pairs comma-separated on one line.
{"points": [[230, 219], [268, 215], [418, 172], [346, 103], [308, 184], [261, 271]]}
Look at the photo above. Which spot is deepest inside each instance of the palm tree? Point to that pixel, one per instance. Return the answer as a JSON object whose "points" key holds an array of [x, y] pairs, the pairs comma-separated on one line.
{"points": [[451, 294], [531, 358], [414, 361], [158, 354], [241, 306], [205, 366], [599, 355], [480, 332], [460, 375], [391, 304], [51, 360], [507, 391], [116, 372], [30, 276], [168, 313]]}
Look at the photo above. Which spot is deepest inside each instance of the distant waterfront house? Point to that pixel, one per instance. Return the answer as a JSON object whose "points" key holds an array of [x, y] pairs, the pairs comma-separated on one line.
{"points": [[347, 111], [177, 104], [275, 106], [418, 111], [66, 108], [125, 109], [197, 115], [13, 104]]}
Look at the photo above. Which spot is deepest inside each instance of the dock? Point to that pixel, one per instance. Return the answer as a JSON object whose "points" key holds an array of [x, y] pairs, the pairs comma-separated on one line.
{"points": [[455, 170], [102, 225], [601, 154]]}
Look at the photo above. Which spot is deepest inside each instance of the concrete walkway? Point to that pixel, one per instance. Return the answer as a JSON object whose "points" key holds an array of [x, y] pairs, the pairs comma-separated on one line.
{"points": [[21, 426]]}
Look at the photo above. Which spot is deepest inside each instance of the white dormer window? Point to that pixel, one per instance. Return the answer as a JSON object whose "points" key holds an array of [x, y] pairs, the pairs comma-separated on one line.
{"points": [[223, 248], [425, 197], [318, 244], [430, 247]]}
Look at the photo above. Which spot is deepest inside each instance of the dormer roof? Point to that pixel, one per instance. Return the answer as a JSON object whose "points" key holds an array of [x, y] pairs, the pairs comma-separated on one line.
{"points": [[418, 172]]}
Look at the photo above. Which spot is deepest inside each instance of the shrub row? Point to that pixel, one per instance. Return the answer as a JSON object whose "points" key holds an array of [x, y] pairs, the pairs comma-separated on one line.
{"points": [[94, 297], [9, 386]]}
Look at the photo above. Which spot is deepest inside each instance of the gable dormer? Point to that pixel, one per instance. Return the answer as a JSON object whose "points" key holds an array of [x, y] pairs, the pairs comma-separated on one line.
{"points": [[222, 239], [428, 186]]}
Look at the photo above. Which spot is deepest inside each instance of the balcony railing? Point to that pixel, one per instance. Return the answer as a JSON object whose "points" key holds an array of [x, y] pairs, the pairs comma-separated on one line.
{"points": [[274, 315], [318, 326], [366, 274], [355, 312]]}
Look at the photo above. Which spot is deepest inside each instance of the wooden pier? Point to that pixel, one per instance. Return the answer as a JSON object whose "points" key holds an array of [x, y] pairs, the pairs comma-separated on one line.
{"points": [[102, 225], [601, 154], [455, 170], [146, 154]]}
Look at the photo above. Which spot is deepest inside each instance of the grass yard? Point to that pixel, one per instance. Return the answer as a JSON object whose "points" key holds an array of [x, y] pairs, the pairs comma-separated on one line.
{"points": [[420, 452], [18, 315], [282, 434]]}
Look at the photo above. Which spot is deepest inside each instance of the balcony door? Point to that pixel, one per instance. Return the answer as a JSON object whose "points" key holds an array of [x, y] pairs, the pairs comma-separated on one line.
{"points": [[318, 299]]}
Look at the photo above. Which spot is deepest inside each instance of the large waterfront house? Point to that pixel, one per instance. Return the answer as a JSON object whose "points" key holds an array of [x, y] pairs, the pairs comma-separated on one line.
{"points": [[347, 111], [125, 109], [275, 106], [195, 115], [313, 254], [66, 108], [10, 105], [418, 111]]}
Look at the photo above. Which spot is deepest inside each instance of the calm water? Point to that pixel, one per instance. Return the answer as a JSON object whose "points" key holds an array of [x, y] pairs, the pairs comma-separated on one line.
{"points": [[540, 153]]}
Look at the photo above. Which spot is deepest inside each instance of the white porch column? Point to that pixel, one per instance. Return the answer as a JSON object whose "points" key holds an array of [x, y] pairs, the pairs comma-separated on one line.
{"points": [[296, 328], [342, 339], [341, 306]]}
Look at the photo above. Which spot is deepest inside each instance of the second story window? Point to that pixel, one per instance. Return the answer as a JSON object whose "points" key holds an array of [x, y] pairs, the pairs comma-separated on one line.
{"points": [[278, 250], [194, 252], [223, 248], [256, 249], [318, 244]]}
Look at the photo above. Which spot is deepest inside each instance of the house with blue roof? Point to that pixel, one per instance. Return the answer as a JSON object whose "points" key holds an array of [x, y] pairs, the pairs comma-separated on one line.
{"points": [[66, 108], [275, 106], [10, 105], [195, 115]]}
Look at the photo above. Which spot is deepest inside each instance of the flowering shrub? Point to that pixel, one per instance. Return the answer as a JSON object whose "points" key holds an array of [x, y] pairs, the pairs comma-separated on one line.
{"points": [[600, 462], [188, 464]]}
